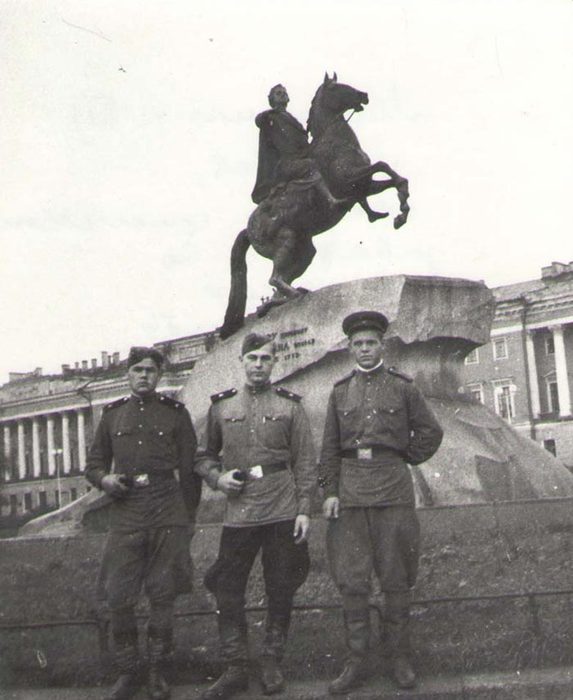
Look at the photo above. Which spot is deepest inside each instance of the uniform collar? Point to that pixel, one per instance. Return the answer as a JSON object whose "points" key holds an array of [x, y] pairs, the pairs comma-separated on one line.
{"points": [[254, 390], [374, 370], [144, 399]]}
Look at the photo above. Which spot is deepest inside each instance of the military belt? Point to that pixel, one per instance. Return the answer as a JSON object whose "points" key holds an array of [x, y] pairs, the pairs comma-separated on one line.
{"points": [[142, 479], [267, 469], [371, 452]]}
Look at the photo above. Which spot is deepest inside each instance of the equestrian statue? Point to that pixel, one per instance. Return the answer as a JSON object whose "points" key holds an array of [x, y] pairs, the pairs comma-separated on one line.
{"points": [[303, 189]]}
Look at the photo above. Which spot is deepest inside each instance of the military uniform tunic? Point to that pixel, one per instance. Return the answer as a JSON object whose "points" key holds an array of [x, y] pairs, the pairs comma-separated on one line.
{"points": [[380, 409], [149, 525], [260, 426]]}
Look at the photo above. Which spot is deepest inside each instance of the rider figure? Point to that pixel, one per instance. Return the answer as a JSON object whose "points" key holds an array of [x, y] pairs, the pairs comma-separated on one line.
{"points": [[284, 151]]}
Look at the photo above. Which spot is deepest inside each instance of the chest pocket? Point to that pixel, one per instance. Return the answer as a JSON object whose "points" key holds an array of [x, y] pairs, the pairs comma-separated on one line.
{"points": [[349, 422], [275, 430], [233, 425]]}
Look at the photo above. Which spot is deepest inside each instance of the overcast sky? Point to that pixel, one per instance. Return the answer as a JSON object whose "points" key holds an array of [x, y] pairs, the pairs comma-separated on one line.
{"points": [[129, 150]]}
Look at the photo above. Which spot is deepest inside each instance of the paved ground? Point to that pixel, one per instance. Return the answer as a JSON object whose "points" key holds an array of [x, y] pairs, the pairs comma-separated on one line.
{"points": [[536, 684]]}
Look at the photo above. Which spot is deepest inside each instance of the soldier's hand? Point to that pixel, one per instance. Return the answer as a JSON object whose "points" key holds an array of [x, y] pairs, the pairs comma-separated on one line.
{"points": [[113, 485], [228, 484], [330, 508], [301, 527]]}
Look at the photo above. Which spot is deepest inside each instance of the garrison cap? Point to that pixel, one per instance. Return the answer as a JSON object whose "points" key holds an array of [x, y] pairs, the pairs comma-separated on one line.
{"points": [[254, 341], [365, 321], [140, 352]]}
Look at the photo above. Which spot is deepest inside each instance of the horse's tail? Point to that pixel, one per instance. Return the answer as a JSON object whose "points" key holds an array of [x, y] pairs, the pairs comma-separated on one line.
{"points": [[235, 314]]}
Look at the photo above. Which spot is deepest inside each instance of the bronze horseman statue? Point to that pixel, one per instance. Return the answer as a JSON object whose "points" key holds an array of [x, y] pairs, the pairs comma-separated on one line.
{"points": [[305, 189]]}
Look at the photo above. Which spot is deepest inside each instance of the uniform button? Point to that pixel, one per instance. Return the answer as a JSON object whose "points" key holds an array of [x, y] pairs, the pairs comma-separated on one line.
{"points": [[142, 409], [140, 426], [139, 442]]}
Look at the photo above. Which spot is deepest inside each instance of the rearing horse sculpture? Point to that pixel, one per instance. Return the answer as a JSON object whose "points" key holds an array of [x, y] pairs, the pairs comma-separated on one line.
{"points": [[282, 226]]}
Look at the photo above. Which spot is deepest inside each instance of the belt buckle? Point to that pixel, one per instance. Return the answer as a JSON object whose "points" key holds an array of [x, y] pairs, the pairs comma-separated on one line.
{"points": [[141, 481], [364, 452]]}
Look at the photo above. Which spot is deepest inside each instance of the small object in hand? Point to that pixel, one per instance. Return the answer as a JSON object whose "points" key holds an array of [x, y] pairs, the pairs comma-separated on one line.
{"points": [[140, 480], [256, 472], [238, 475]]}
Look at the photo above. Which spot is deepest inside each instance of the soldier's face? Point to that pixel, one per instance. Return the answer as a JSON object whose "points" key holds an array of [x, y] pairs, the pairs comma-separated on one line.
{"points": [[143, 377], [366, 348], [258, 365]]}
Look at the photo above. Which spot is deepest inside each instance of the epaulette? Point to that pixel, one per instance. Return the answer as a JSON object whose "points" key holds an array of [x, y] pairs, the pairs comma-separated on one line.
{"points": [[345, 379], [396, 373], [223, 395], [285, 393], [115, 404], [168, 401]]}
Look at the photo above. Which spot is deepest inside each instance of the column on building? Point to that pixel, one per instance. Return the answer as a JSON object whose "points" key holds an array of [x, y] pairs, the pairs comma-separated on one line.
{"points": [[36, 463], [81, 439], [50, 445], [533, 378], [561, 371], [66, 459], [7, 451], [21, 450]]}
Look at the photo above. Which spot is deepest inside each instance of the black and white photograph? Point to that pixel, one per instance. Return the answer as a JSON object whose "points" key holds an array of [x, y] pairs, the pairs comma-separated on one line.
{"points": [[286, 382]]}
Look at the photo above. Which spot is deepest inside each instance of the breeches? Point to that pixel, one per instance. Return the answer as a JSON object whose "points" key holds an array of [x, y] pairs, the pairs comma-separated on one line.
{"points": [[285, 567], [158, 558], [383, 539]]}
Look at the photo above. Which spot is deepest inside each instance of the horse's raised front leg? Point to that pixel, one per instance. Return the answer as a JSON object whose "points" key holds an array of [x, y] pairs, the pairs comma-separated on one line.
{"points": [[372, 215], [401, 185]]}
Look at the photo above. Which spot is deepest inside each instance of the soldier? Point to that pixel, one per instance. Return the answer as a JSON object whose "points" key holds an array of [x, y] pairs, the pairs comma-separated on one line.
{"points": [[284, 151], [267, 470], [147, 436], [377, 423]]}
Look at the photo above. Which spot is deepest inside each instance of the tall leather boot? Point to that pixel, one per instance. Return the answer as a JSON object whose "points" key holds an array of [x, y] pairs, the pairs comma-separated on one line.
{"points": [[274, 644], [398, 638], [129, 680], [158, 645], [357, 629], [234, 651]]}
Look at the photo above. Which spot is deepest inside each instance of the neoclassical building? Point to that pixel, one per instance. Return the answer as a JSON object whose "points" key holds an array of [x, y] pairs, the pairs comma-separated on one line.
{"points": [[525, 372], [47, 422]]}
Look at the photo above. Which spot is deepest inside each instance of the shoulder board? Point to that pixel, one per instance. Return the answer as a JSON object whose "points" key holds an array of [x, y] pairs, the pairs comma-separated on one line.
{"points": [[115, 404], [396, 373], [345, 379], [168, 401], [285, 393], [223, 395]]}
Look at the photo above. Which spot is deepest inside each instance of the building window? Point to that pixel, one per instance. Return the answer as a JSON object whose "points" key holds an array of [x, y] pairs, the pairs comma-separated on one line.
{"points": [[504, 403], [472, 358], [500, 349], [475, 392], [27, 501], [553, 396], [550, 446], [549, 345], [73, 494], [43, 499], [13, 504]]}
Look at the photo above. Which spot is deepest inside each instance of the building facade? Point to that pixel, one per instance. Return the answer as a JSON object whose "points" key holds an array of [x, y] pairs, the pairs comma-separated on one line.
{"points": [[47, 423], [525, 372]]}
